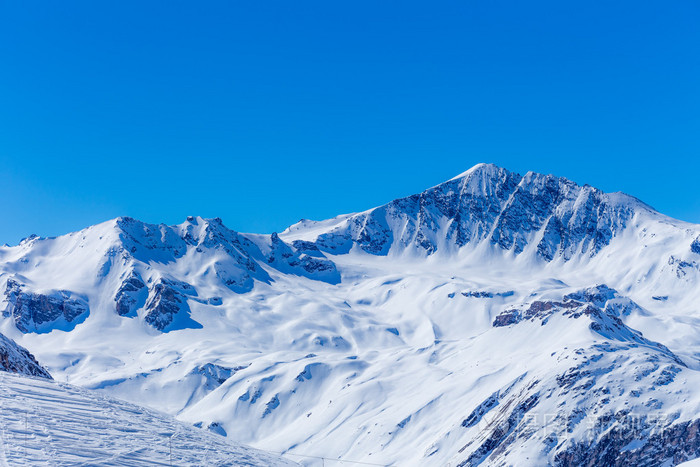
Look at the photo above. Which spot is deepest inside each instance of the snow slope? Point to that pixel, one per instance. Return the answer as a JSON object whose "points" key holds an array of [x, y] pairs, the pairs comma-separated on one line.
{"points": [[494, 319], [48, 423]]}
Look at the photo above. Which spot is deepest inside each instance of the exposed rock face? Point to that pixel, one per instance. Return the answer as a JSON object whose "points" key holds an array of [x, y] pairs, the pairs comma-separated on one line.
{"points": [[215, 375], [129, 294], [166, 244], [601, 305], [502, 432], [492, 204], [621, 445], [307, 248], [207, 377], [683, 269], [478, 413], [613, 414], [135, 254], [604, 424], [17, 359], [301, 258], [695, 246], [34, 312], [167, 308], [593, 301], [238, 268], [485, 294]]}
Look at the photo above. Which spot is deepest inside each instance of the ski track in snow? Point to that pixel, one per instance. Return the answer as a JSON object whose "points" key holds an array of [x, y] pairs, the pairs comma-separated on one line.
{"points": [[47, 423]]}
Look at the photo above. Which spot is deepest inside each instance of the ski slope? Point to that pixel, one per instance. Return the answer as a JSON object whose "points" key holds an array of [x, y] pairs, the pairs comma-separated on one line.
{"points": [[47, 423]]}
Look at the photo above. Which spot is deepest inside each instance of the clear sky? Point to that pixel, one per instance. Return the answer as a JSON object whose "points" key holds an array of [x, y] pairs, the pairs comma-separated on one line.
{"points": [[265, 112]]}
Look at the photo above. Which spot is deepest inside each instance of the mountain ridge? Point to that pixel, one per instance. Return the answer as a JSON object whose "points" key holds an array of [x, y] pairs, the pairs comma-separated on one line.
{"points": [[485, 202]]}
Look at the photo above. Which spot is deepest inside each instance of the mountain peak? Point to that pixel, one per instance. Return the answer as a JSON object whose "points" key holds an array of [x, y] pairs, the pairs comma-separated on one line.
{"points": [[480, 169], [492, 173], [545, 215], [482, 179]]}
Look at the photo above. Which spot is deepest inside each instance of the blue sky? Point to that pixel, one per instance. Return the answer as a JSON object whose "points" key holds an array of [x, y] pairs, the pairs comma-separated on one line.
{"points": [[262, 113]]}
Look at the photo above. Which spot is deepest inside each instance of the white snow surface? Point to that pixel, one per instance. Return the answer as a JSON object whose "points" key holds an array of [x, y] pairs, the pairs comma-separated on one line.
{"points": [[47, 423], [392, 355]]}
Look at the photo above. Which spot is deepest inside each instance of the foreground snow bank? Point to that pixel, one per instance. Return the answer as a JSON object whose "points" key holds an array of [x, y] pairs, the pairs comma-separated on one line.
{"points": [[49, 423]]}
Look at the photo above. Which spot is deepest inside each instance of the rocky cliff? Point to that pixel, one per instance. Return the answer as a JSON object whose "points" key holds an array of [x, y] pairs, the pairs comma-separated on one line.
{"points": [[17, 359]]}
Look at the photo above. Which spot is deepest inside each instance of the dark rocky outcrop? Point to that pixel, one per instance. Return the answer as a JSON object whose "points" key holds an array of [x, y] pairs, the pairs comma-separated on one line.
{"points": [[165, 244], [640, 431], [502, 433], [683, 268], [240, 266], [602, 416], [129, 293], [43, 312], [480, 410], [215, 375], [621, 445], [695, 246], [601, 305], [307, 248], [167, 308], [292, 260], [484, 294], [16, 359]]}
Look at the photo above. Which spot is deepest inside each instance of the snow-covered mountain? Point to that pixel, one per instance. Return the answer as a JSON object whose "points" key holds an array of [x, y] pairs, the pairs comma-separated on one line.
{"points": [[494, 319], [135, 266], [490, 205]]}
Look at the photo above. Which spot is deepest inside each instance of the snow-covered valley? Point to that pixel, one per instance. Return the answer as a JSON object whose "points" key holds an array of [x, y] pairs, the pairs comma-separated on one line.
{"points": [[495, 319]]}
